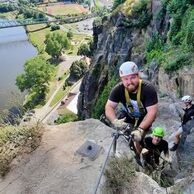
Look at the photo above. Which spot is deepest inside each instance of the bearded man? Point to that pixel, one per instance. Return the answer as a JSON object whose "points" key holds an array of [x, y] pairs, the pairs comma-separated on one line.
{"points": [[138, 99]]}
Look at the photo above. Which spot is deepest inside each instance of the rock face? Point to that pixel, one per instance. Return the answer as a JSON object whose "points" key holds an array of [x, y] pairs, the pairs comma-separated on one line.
{"points": [[182, 160], [113, 47], [178, 83], [144, 184], [55, 167], [115, 43]]}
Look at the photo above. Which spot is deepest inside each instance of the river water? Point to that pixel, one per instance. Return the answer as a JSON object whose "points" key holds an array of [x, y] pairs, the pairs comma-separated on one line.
{"points": [[15, 49]]}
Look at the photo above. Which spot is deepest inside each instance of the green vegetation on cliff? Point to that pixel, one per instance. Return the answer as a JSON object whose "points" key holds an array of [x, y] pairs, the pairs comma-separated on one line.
{"points": [[17, 140], [99, 107], [137, 15], [174, 50], [171, 48], [35, 79]]}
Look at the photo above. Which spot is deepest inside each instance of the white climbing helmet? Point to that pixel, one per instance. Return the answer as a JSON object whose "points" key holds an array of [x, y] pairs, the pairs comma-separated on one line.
{"points": [[128, 68], [186, 99]]}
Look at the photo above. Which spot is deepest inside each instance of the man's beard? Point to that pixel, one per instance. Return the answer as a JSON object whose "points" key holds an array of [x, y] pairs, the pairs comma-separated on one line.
{"points": [[132, 88]]}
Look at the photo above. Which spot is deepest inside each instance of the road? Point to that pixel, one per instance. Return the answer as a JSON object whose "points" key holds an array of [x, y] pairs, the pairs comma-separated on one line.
{"points": [[45, 112], [48, 114], [52, 114]]}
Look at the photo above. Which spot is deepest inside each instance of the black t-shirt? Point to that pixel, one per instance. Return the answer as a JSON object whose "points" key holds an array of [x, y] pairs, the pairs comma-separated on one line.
{"points": [[148, 96], [155, 150], [189, 112]]}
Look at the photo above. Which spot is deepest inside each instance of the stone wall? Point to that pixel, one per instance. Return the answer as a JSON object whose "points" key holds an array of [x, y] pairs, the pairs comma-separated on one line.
{"points": [[177, 84]]}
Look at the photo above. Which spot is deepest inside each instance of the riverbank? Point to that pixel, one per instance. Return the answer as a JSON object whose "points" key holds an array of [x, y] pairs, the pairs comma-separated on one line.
{"points": [[60, 69], [37, 36], [82, 33], [15, 50]]}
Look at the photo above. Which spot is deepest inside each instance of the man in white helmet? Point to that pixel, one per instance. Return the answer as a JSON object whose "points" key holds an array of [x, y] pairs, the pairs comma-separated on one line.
{"points": [[188, 115], [139, 99]]}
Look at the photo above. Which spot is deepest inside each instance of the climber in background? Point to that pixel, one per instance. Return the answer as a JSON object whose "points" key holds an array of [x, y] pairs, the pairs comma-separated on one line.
{"points": [[153, 146], [188, 115]]}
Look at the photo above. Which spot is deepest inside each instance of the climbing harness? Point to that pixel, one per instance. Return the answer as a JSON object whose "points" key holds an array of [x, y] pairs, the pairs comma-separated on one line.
{"points": [[132, 113]]}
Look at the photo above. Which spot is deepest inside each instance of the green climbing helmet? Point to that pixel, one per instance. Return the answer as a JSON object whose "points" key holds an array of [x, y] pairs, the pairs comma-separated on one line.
{"points": [[158, 131]]}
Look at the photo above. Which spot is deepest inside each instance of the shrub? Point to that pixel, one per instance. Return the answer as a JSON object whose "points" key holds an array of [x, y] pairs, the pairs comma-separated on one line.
{"points": [[174, 29], [103, 97], [16, 140], [154, 47], [70, 34], [116, 3], [181, 31], [177, 9], [84, 50], [8, 7], [189, 32], [55, 27], [154, 54], [78, 69], [100, 10], [97, 22], [142, 14], [181, 59], [119, 174], [67, 117], [155, 42], [179, 38], [139, 14]]}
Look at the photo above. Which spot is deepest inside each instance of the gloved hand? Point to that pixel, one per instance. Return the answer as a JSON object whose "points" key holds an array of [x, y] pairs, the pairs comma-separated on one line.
{"points": [[137, 134], [168, 159], [119, 124], [144, 151]]}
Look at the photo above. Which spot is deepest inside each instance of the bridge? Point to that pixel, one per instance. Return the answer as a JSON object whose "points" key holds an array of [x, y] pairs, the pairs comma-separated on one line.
{"points": [[25, 22]]}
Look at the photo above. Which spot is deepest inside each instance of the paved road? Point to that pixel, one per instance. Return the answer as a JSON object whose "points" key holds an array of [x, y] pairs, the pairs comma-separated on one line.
{"points": [[52, 114], [43, 113]]}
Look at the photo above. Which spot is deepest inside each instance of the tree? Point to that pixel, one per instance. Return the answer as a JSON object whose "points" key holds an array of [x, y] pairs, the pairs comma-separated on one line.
{"points": [[116, 3], [36, 76], [78, 69], [86, 49], [83, 50], [55, 42], [70, 34], [55, 27]]}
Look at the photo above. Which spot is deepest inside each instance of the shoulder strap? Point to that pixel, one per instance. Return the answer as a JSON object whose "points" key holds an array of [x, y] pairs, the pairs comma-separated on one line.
{"points": [[138, 95], [138, 100]]}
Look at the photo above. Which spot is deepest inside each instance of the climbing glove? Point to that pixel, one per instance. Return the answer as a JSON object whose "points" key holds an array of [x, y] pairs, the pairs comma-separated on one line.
{"points": [[137, 134], [119, 124], [144, 151]]}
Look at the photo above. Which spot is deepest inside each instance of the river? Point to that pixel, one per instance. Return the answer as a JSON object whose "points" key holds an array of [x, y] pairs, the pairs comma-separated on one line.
{"points": [[15, 49]]}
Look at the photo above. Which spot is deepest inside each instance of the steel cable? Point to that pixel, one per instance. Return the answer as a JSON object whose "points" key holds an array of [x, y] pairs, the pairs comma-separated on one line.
{"points": [[104, 165]]}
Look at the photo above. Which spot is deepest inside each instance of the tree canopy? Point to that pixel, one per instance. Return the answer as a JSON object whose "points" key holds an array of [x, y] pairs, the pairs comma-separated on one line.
{"points": [[78, 69], [36, 76], [86, 49], [55, 43]]}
